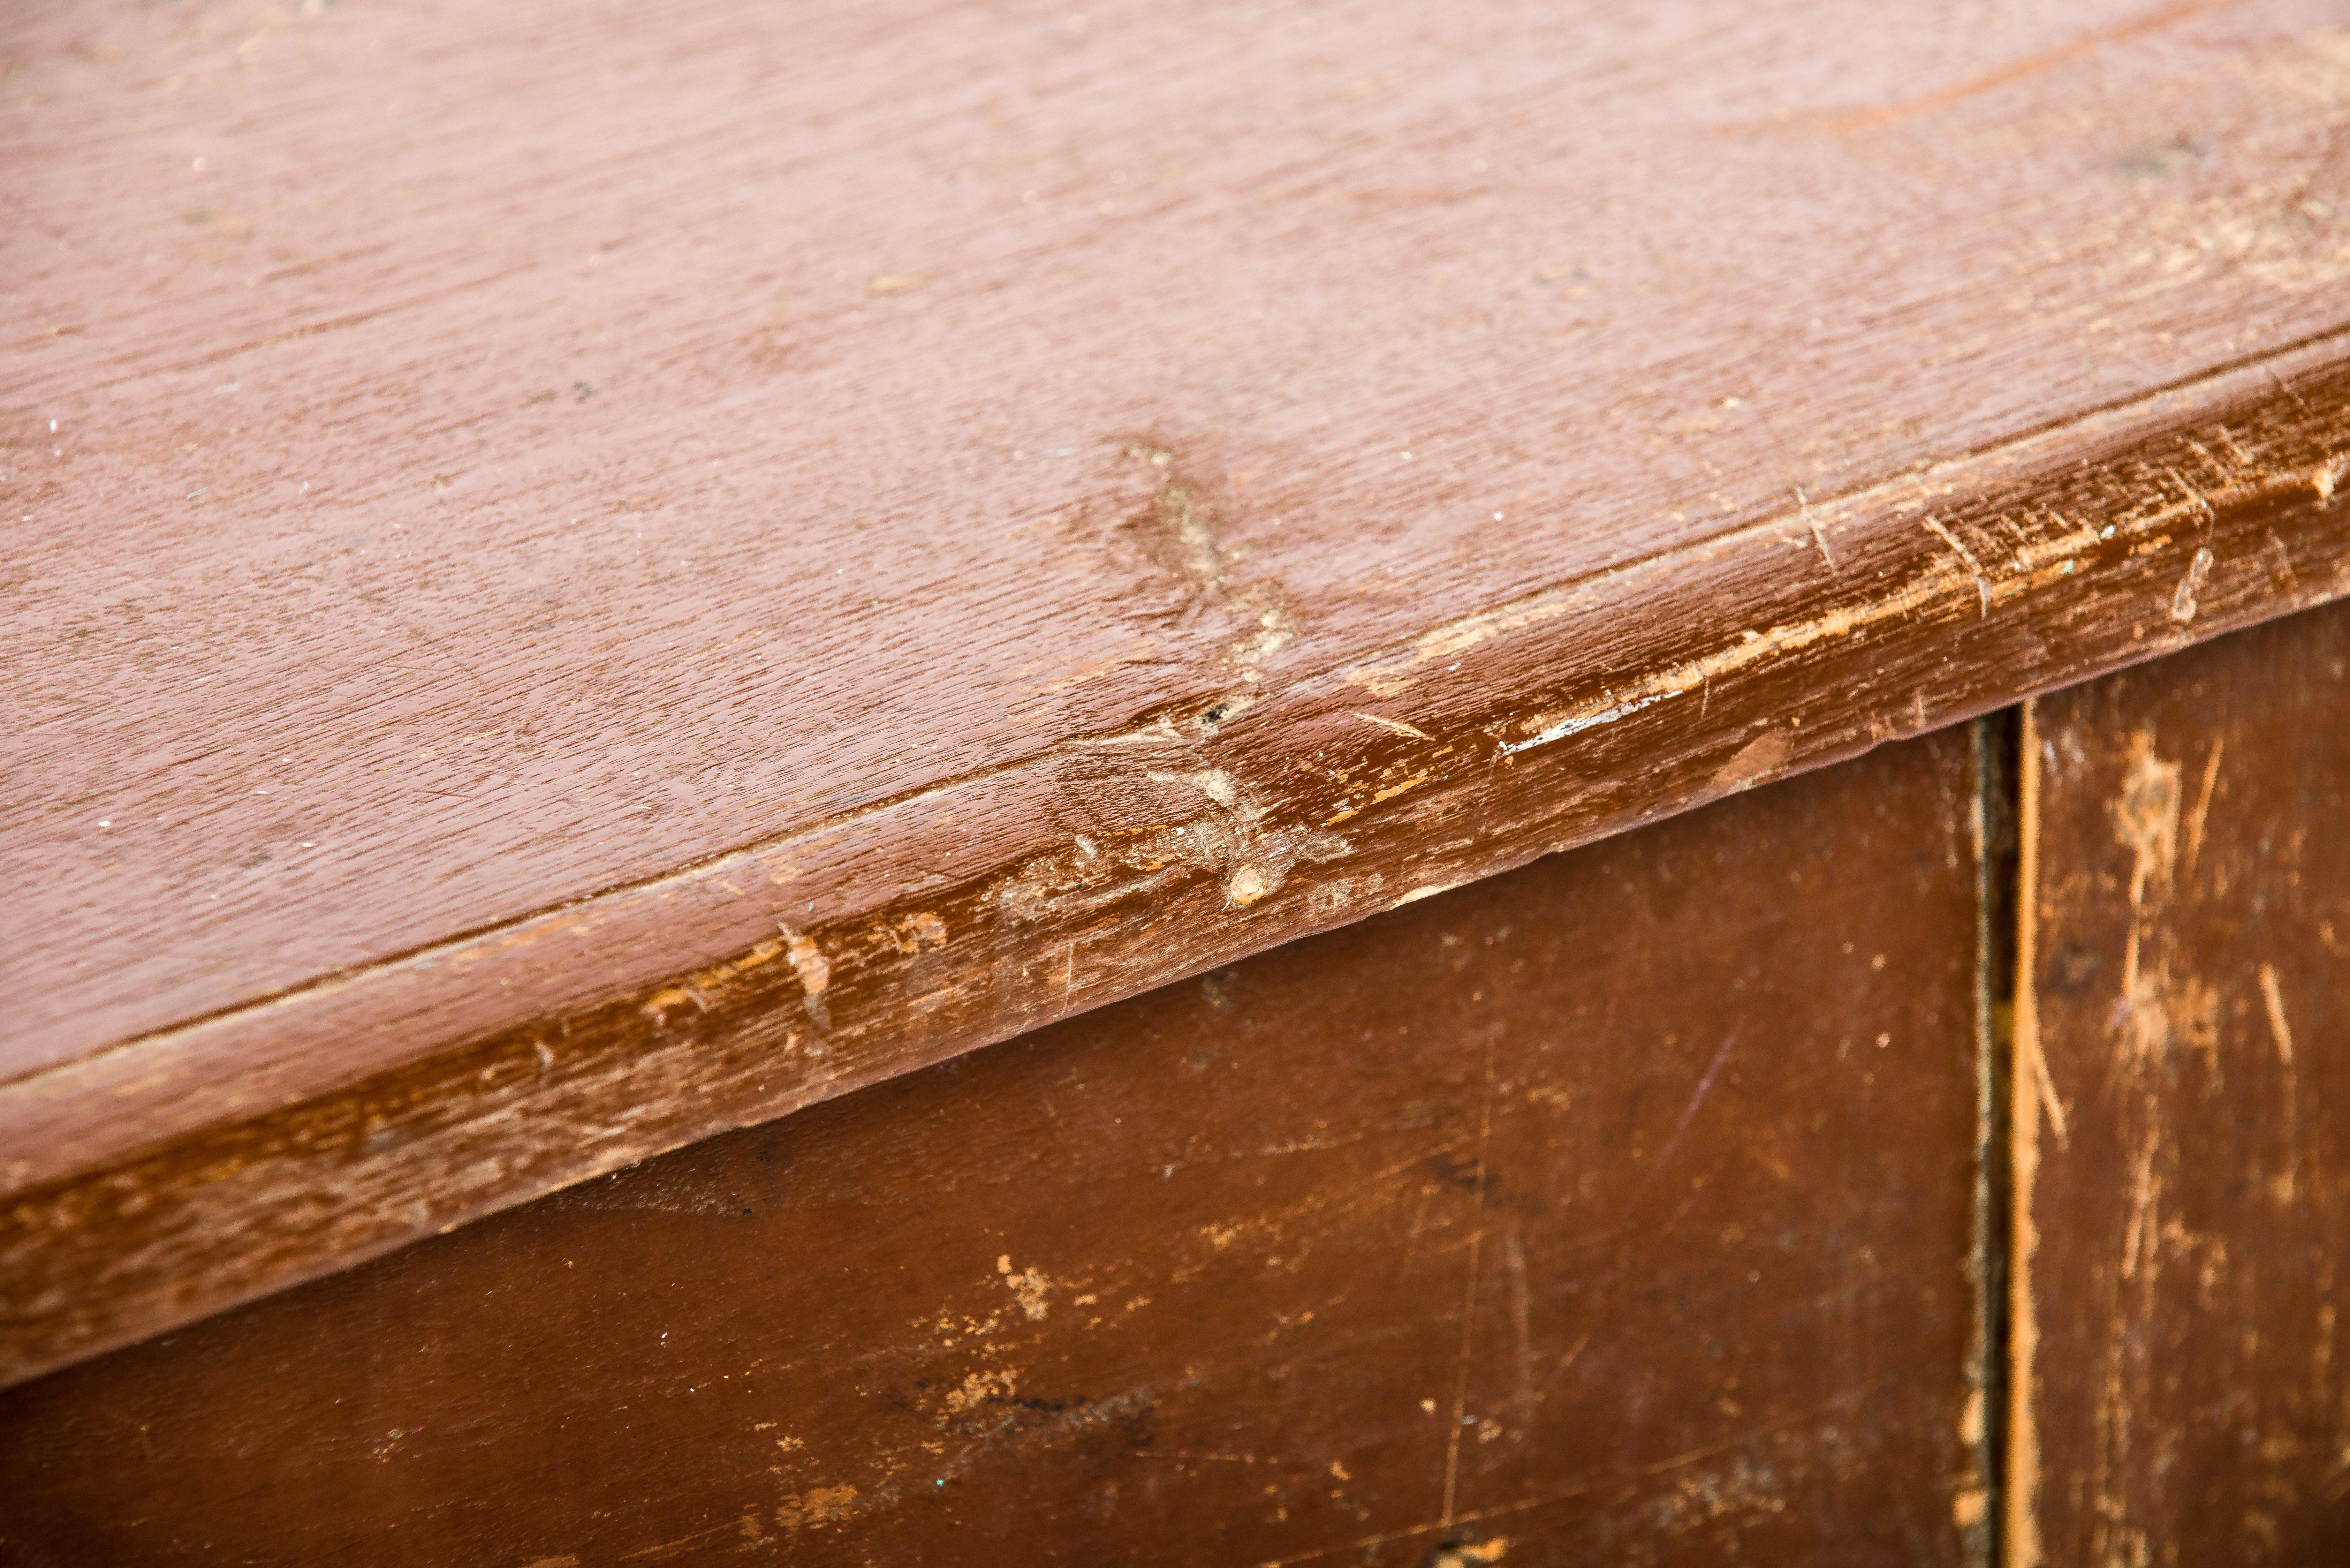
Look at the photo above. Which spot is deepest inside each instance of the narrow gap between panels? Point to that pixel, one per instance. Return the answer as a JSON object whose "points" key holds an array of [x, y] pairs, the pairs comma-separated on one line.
{"points": [[1996, 742]]}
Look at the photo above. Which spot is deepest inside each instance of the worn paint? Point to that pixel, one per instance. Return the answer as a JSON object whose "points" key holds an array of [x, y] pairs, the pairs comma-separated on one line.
{"points": [[482, 1069]]}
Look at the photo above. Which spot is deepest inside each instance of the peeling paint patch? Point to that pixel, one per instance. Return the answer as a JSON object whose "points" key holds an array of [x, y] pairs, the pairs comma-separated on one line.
{"points": [[979, 1388], [1032, 1288]]}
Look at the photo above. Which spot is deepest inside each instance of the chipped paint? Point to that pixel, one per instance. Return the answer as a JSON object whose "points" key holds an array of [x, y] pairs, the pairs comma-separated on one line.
{"points": [[2182, 601], [1030, 1287]]}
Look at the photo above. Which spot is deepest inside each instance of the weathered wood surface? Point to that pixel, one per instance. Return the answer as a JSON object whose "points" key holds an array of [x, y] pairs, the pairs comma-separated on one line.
{"points": [[601, 577], [1617, 1210], [2182, 1099]]}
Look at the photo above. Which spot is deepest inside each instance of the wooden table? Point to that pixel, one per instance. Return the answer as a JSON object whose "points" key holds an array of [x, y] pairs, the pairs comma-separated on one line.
{"points": [[600, 599]]}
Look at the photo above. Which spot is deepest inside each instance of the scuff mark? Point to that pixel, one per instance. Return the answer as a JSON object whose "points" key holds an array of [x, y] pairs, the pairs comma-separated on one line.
{"points": [[1743, 1488], [817, 1507], [915, 933], [1380, 683], [1230, 843], [1330, 897], [1181, 534]]}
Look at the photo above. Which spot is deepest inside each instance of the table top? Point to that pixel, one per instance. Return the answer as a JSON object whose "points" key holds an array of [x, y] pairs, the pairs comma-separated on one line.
{"points": [[1000, 506]]}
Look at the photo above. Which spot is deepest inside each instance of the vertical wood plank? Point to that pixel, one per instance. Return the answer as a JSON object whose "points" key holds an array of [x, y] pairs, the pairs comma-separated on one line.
{"points": [[2182, 1098]]}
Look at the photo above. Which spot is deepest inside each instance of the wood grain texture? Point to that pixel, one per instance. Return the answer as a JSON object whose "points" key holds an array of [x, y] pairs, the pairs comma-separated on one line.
{"points": [[2184, 1187], [1617, 1210], [597, 579]]}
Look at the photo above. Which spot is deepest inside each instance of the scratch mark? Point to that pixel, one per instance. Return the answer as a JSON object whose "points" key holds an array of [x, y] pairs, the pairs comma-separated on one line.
{"points": [[2279, 1029], [1982, 584], [2044, 561], [2201, 809], [2045, 1087], [1688, 1112], [1214, 782], [1469, 1303], [1397, 725], [1158, 732], [2202, 501]]}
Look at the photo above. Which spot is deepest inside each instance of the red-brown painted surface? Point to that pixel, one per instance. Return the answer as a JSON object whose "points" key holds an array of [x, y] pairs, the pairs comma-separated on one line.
{"points": [[1615, 1210], [580, 579]]}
